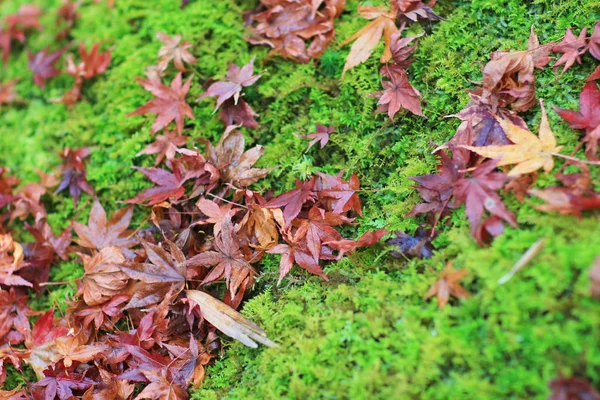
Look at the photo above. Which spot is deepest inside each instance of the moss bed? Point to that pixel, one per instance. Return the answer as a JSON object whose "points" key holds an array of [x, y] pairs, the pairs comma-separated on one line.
{"points": [[367, 333]]}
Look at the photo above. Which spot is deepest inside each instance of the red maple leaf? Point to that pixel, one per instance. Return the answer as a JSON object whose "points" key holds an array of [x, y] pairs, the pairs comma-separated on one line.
{"points": [[571, 48], [169, 104], [321, 136], [165, 146], [398, 93], [42, 65], [587, 118], [291, 202]]}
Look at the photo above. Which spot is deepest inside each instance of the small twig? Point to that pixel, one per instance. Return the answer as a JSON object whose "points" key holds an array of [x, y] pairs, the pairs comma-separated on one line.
{"points": [[524, 260]]}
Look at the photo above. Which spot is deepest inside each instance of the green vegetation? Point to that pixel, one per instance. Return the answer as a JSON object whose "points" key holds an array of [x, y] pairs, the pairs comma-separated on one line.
{"points": [[367, 333]]}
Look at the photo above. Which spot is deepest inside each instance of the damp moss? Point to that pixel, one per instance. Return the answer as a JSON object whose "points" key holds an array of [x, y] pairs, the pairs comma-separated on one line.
{"points": [[368, 332]]}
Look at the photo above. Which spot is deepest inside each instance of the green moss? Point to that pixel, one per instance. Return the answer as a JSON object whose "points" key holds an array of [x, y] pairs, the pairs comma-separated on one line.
{"points": [[367, 333]]}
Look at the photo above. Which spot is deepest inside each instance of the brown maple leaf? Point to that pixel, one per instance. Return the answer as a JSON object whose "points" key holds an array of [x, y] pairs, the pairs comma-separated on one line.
{"points": [[169, 104], [174, 50], [227, 260], [287, 26], [163, 272], [26, 17], [103, 278], [11, 260], [448, 286], [571, 48], [413, 10], [382, 24], [234, 164], [529, 152], [291, 202], [99, 233], [508, 77]]}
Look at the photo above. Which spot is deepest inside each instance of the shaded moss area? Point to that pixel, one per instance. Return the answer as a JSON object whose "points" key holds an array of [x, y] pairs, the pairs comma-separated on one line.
{"points": [[367, 333]]}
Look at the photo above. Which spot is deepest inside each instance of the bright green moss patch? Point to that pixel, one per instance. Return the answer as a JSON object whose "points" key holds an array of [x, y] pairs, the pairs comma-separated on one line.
{"points": [[367, 333]]}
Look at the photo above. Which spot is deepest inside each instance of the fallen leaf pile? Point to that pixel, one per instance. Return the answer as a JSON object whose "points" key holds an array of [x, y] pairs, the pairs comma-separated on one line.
{"points": [[151, 300], [296, 30]]}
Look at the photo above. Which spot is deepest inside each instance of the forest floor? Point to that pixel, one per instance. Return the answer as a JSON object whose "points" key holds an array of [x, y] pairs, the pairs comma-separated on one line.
{"points": [[367, 333]]}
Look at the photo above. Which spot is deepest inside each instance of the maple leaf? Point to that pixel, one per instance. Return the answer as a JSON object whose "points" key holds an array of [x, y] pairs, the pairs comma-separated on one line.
{"points": [[43, 235], [92, 62], [339, 196], [228, 260], [398, 93], [296, 250], [240, 114], [587, 118], [367, 38], [169, 104], [57, 383], [400, 49], [29, 202], [165, 146], [99, 234], [163, 272], [291, 202], [321, 135], [565, 201], [11, 260], [190, 361], [215, 213], [41, 345], [508, 77], [448, 286], [236, 79], [42, 65], [529, 151], [14, 325], [288, 25], [7, 92], [66, 14], [571, 48], [480, 124], [74, 173], [572, 388], [103, 278], [229, 321], [26, 17], [367, 239], [259, 225], [174, 50], [320, 229], [234, 164], [413, 10], [85, 315], [169, 185], [594, 43], [479, 191]]}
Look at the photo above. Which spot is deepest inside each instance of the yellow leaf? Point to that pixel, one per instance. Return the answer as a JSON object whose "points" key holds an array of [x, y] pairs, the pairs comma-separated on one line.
{"points": [[529, 152]]}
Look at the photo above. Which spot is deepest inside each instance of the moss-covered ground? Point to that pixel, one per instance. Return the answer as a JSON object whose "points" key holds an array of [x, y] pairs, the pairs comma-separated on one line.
{"points": [[367, 333]]}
